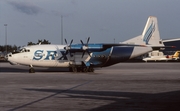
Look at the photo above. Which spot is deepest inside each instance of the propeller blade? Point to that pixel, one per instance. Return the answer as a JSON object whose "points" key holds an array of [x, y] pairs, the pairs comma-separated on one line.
{"points": [[64, 55], [83, 54], [66, 52], [71, 42], [65, 41], [82, 42], [88, 53], [87, 40]]}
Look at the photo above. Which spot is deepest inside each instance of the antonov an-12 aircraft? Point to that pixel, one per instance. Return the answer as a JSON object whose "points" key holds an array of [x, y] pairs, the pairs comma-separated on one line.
{"points": [[84, 57]]}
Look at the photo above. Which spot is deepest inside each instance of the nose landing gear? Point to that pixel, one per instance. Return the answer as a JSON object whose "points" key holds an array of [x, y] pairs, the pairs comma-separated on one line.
{"points": [[31, 69]]}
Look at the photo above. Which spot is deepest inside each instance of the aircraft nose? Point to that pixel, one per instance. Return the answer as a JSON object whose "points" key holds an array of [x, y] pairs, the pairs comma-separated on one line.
{"points": [[9, 58], [140, 51], [5, 57]]}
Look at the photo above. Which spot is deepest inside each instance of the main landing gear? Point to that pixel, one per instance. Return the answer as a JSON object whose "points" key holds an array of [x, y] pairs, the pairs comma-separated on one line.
{"points": [[81, 69]]}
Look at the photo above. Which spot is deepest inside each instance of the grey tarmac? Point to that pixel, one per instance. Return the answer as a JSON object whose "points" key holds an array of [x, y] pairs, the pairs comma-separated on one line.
{"points": [[122, 87]]}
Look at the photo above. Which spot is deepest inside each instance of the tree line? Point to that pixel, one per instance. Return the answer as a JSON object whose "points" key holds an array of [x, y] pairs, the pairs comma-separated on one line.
{"points": [[11, 48], [39, 42]]}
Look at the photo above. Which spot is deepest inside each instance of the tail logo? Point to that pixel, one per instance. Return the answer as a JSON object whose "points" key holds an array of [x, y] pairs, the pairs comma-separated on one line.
{"points": [[149, 33]]}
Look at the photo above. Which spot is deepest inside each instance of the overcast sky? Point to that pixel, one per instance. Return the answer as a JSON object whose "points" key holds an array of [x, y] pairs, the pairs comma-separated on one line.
{"points": [[102, 20]]}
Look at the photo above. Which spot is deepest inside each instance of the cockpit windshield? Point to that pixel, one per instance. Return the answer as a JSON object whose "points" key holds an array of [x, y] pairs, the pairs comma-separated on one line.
{"points": [[21, 50], [24, 50]]}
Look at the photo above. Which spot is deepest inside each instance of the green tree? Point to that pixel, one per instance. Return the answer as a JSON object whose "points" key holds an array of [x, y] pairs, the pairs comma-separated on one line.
{"points": [[31, 43], [39, 42], [10, 48], [44, 41]]}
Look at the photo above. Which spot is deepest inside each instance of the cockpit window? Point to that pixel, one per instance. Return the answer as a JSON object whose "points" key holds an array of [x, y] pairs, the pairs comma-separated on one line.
{"points": [[21, 50], [24, 50]]}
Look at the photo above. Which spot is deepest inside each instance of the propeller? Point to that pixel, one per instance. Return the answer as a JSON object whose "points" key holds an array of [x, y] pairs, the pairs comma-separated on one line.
{"points": [[85, 47], [67, 48]]}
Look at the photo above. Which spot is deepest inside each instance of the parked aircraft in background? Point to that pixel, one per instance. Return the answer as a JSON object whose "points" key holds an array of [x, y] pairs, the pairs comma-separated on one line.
{"points": [[84, 57], [159, 56], [175, 56]]}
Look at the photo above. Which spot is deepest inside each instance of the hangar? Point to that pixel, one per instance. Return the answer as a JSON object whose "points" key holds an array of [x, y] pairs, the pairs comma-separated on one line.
{"points": [[171, 42]]}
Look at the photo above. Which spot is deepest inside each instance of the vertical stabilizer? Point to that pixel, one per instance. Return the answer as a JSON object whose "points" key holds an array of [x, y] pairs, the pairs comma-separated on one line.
{"points": [[150, 35]]}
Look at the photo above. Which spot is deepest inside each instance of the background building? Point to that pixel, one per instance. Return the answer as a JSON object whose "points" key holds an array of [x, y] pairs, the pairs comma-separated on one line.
{"points": [[171, 42]]}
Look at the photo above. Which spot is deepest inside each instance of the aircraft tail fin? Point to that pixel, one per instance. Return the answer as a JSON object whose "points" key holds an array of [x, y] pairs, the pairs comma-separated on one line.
{"points": [[150, 35], [176, 54]]}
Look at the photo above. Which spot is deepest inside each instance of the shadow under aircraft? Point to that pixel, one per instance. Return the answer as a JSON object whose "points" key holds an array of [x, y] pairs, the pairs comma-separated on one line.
{"points": [[123, 101]]}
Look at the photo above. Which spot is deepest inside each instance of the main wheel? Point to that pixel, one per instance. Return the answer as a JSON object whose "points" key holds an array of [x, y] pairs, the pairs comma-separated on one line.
{"points": [[74, 69], [91, 69], [85, 69]]}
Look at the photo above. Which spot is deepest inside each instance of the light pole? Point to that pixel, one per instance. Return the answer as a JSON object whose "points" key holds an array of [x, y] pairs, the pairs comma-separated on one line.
{"points": [[61, 30], [6, 37]]}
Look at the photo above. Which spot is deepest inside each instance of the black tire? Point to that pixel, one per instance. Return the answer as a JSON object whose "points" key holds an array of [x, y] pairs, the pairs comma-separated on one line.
{"points": [[74, 69], [91, 69], [85, 69], [31, 70]]}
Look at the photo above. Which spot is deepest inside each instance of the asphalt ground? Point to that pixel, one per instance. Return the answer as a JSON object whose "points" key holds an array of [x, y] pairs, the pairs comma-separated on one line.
{"points": [[122, 87]]}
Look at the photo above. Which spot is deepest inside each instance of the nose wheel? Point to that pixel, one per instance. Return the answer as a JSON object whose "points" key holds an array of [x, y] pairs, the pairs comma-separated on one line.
{"points": [[31, 69]]}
